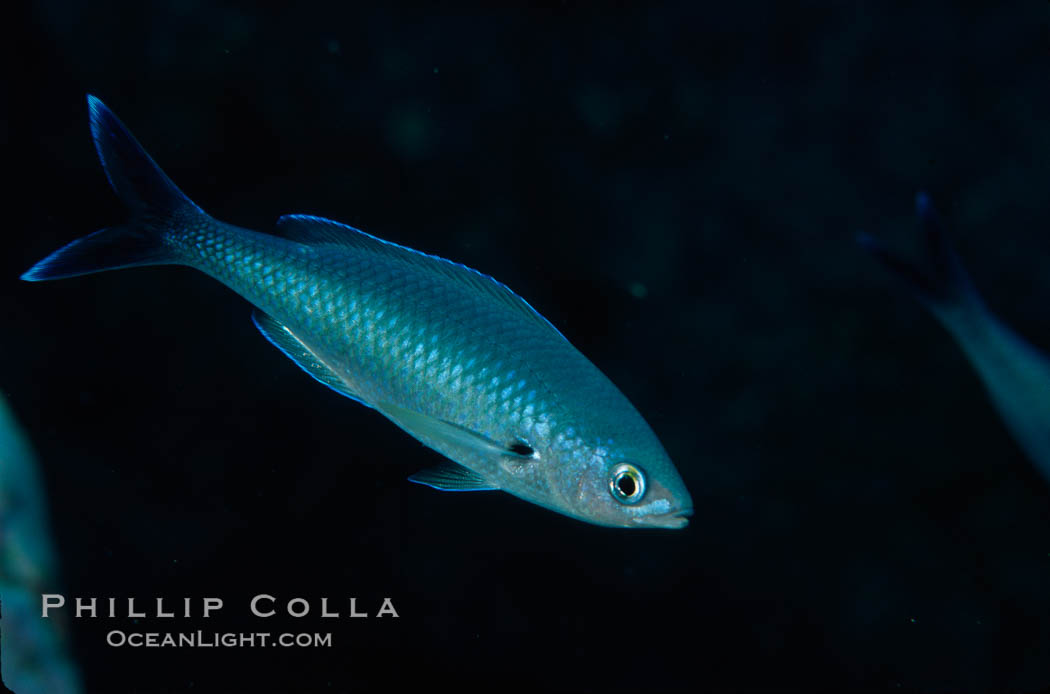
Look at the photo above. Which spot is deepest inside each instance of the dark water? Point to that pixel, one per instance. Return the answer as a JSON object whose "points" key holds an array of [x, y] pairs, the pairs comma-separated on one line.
{"points": [[677, 188]]}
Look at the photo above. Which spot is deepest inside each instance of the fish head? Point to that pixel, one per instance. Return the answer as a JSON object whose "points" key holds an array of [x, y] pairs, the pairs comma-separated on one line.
{"points": [[626, 486]]}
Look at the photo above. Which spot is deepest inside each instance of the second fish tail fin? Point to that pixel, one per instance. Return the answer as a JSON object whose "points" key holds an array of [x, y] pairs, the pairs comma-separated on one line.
{"points": [[157, 208], [938, 279]]}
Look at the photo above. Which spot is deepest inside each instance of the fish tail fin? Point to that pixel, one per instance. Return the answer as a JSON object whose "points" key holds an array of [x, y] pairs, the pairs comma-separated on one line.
{"points": [[158, 209], [938, 279]]}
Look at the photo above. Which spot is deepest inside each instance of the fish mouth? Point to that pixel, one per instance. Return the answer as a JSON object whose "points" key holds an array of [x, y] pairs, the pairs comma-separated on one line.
{"points": [[672, 520]]}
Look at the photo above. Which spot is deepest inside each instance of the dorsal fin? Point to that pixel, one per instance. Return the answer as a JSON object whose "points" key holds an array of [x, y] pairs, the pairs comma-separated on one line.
{"points": [[317, 231]]}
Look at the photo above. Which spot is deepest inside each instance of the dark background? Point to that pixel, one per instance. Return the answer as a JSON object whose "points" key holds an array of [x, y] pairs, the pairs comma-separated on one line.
{"points": [[863, 520]]}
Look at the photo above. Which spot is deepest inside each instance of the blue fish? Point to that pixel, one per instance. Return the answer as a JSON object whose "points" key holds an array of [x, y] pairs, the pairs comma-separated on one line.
{"points": [[1015, 374], [35, 651], [448, 354]]}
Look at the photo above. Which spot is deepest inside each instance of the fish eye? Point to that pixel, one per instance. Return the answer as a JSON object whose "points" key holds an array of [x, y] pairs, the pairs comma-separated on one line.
{"points": [[627, 483]]}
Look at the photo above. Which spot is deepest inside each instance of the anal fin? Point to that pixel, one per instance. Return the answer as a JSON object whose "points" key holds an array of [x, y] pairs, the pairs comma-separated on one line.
{"points": [[281, 337]]}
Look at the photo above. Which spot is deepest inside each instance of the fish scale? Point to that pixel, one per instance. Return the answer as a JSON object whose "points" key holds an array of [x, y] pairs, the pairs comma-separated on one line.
{"points": [[450, 355], [334, 299]]}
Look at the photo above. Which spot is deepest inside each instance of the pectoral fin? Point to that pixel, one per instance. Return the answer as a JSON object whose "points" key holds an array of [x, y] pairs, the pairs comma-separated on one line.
{"points": [[425, 427], [449, 436], [281, 337]]}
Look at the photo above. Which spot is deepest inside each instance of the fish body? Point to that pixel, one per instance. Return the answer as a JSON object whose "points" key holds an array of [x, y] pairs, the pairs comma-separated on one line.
{"points": [[450, 355], [1015, 374], [35, 651]]}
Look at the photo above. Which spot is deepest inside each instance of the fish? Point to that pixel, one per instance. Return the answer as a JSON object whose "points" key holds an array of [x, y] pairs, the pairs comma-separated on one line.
{"points": [[448, 354], [1015, 374], [36, 653]]}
